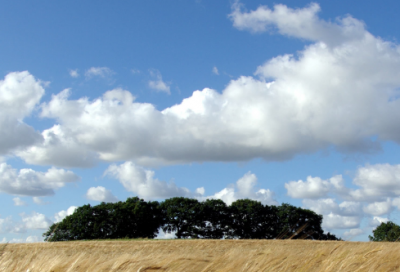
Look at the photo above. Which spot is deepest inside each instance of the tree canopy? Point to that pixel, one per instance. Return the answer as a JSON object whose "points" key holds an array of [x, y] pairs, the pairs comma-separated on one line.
{"points": [[189, 218], [386, 232]]}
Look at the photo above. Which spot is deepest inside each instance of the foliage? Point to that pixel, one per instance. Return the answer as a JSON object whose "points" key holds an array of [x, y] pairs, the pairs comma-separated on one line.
{"points": [[189, 218], [251, 220], [182, 215], [386, 232], [215, 217], [131, 219], [298, 223]]}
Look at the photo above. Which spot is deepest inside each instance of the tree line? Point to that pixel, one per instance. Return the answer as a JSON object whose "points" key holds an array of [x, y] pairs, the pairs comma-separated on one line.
{"points": [[189, 218]]}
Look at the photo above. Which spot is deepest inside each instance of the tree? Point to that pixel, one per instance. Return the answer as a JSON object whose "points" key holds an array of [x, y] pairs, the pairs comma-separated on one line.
{"points": [[182, 215], [215, 217], [386, 232], [133, 218], [136, 218], [250, 220], [298, 223]]}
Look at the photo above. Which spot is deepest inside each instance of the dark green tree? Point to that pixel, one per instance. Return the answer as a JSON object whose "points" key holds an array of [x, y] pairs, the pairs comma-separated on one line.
{"points": [[251, 220], [182, 215], [215, 217], [133, 218], [298, 223], [136, 218], [386, 232]]}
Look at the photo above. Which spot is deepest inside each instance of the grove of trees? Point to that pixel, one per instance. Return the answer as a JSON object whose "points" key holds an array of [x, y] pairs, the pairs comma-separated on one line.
{"points": [[189, 218]]}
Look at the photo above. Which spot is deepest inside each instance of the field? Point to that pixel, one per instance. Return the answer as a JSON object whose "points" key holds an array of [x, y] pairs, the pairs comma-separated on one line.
{"points": [[201, 255]]}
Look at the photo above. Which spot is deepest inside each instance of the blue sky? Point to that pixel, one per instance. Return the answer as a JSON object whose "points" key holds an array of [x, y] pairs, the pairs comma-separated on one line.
{"points": [[290, 101]]}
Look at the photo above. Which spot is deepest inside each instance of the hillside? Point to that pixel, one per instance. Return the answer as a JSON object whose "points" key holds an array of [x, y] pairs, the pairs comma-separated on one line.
{"points": [[201, 255]]}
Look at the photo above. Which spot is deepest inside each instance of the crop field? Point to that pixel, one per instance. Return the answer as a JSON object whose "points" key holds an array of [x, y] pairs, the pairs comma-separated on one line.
{"points": [[201, 255]]}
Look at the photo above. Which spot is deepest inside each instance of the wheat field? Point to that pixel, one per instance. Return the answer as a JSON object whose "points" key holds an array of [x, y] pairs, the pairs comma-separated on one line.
{"points": [[201, 255]]}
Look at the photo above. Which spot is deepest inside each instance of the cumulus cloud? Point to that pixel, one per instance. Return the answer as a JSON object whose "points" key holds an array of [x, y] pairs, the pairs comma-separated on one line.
{"points": [[314, 187], [376, 221], [103, 72], [244, 188], [74, 73], [33, 239], [158, 84], [20, 93], [19, 202], [39, 201], [36, 221], [374, 192], [300, 23], [27, 182], [142, 182], [100, 193], [8, 225], [59, 149], [379, 208], [336, 221], [341, 90], [377, 182], [352, 233], [64, 213]]}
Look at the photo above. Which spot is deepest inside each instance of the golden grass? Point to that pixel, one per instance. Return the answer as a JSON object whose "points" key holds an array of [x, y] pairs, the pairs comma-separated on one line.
{"points": [[202, 255]]}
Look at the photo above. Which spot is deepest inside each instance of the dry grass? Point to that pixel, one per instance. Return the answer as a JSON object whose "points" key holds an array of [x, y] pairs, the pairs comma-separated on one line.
{"points": [[202, 255]]}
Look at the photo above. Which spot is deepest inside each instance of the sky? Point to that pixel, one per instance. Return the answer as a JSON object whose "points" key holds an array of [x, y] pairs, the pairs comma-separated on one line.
{"points": [[281, 102]]}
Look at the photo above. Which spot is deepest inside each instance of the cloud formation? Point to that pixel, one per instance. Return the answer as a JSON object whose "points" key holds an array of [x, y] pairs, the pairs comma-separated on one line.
{"points": [[102, 72], [101, 194], [374, 193], [158, 84], [20, 93], [36, 221], [141, 181], [27, 182], [64, 213], [341, 91]]}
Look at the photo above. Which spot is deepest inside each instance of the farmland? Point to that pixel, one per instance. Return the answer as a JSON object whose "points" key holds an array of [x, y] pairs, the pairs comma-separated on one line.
{"points": [[201, 255]]}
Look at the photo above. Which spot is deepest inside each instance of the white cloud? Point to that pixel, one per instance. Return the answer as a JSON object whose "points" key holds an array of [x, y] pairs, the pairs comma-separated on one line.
{"points": [[19, 202], [314, 187], [8, 225], [59, 149], [376, 221], [142, 182], [339, 91], [245, 188], [39, 201], [215, 70], [27, 182], [103, 72], [74, 73], [20, 93], [36, 221], [375, 192], [377, 182], [352, 233], [62, 214], [379, 208], [100, 193], [300, 23], [335, 221], [158, 84], [33, 239]]}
